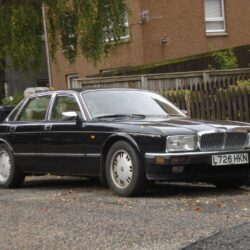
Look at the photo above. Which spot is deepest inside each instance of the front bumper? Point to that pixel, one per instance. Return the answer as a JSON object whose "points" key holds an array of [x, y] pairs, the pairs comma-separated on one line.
{"points": [[197, 166]]}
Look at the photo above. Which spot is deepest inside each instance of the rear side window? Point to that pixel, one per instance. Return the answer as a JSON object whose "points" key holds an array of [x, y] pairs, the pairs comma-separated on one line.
{"points": [[35, 109], [64, 103]]}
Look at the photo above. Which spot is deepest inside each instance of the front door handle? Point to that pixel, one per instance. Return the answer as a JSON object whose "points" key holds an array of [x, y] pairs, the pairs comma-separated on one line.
{"points": [[48, 127]]}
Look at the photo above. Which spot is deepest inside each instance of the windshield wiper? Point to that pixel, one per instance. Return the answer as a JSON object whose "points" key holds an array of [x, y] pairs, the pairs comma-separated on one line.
{"points": [[177, 115], [121, 116]]}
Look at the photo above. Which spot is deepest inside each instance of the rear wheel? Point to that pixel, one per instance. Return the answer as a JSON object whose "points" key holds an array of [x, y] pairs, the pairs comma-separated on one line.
{"points": [[10, 175], [125, 171], [232, 183]]}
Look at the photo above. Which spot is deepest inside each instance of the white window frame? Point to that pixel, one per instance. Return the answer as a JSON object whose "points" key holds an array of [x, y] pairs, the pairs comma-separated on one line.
{"points": [[126, 24], [70, 78], [216, 19]]}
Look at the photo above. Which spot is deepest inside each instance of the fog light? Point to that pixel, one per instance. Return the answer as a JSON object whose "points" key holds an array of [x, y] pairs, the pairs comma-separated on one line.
{"points": [[159, 160], [178, 169]]}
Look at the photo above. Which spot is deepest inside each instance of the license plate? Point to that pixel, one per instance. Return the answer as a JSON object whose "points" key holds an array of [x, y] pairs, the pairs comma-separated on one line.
{"points": [[229, 159]]}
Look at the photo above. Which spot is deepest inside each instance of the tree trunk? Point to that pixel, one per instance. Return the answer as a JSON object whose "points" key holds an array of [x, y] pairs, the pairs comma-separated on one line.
{"points": [[2, 79]]}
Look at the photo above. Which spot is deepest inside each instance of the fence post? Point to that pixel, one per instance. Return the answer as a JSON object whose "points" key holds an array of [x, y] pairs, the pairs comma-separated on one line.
{"points": [[7, 88], [144, 82], [188, 105], [206, 79]]}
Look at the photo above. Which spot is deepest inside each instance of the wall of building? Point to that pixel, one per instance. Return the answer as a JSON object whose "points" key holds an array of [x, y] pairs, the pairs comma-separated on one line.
{"points": [[181, 23], [18, 81], [129, 53]]}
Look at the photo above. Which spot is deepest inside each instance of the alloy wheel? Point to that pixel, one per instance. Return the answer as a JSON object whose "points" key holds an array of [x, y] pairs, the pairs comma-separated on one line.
{"points": [[121, 169], [5, 166]]}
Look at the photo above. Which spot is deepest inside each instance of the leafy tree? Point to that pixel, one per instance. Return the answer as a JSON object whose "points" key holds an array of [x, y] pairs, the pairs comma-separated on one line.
{"points": [[90, 26]]}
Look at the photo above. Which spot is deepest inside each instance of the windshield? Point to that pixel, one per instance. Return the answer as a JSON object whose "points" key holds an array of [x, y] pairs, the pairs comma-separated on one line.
{"points": [[107, 103]]}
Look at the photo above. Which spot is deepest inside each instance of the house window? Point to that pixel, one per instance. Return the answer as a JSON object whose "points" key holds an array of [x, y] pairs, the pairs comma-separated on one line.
{"points": [[70, 80], [215, 16], [125, 35]]}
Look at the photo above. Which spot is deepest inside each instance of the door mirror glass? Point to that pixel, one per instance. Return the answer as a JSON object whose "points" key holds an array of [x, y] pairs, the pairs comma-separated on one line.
{"points": [[70, 115]]}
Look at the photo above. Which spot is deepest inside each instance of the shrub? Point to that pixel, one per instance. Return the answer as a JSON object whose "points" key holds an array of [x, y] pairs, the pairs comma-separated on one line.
{"points": [[245, 83], [225, 59], [13, 100]]}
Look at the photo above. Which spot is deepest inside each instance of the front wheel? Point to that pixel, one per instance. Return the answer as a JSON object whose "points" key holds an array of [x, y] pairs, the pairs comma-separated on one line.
{"points": [[10, 174], [231, 183], [125, 171]]}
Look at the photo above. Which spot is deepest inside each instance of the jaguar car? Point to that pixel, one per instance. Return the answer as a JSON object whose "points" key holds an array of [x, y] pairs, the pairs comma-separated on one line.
{"points": [[125, 137]]}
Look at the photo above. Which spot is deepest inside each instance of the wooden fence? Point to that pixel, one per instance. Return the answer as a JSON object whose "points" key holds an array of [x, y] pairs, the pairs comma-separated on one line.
{"points": [[200, 80], [205, 94], [220, 104]]}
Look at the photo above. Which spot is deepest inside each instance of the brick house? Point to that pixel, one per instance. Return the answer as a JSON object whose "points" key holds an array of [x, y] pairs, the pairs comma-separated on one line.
{"points": [[164, 30]]}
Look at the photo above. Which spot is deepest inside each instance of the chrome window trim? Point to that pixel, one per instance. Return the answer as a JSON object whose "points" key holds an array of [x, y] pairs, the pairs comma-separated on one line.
{"points": [[61, 93], [24, 105], [21, 108], [85, 105], [50, 106], [18, 106], [57, 155]]}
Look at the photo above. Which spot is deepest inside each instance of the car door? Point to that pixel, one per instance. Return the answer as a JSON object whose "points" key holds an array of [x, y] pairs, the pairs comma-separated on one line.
{"points": [[64, 142], [24, 133]]}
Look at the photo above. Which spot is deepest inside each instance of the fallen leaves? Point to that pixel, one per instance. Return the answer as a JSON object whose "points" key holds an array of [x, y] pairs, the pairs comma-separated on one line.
{"points": [[198, 209]]}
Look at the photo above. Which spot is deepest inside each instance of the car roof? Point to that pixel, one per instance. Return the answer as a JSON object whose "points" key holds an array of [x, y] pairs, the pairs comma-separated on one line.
{"points": [[85, 90]]}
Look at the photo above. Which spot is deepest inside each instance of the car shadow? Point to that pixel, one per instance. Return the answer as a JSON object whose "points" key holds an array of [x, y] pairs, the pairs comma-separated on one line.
{"points": [[190, 189], [154, 190]]}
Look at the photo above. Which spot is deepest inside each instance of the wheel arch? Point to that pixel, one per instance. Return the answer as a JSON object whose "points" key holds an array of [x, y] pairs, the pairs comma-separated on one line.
{"points": [[106, 147], [3, 142]]}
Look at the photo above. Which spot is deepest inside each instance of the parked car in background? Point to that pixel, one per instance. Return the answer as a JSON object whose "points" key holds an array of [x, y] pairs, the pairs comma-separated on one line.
{"points": [[125, 137], [4, 111]]}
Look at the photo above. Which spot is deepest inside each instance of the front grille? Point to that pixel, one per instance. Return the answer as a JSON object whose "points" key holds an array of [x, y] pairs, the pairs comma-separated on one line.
{"points": [[223, 141], [235, 140]]}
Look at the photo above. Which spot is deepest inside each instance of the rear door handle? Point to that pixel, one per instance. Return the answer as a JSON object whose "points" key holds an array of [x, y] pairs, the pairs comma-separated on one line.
{"points": [[48, 127], [12, 128]]}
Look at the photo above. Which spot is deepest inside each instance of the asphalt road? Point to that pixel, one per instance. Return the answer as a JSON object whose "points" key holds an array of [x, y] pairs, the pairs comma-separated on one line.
{"points": [[67, 213]]}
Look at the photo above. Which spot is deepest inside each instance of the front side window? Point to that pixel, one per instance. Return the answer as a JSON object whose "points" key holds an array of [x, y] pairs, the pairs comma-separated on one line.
{"points": [[215, 17], [35, 109], [64, 103]]}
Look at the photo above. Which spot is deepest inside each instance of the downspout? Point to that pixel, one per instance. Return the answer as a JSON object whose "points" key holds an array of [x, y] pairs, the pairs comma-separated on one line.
{"points": [[46, 44]]}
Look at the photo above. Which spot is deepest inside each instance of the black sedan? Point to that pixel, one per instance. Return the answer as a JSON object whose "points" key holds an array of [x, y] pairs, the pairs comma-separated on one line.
{"points": [[125, 137]]}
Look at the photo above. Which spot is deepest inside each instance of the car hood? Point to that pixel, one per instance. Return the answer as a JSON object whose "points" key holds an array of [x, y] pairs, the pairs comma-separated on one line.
{"points": [[178, 125]]}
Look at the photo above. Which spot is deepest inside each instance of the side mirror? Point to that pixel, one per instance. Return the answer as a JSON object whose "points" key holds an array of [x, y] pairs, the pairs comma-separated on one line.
{"points": [[185, 112], [79, 119], [70, 115]]}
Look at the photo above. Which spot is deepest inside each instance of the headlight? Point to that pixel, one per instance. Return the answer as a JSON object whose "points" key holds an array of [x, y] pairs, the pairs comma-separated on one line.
{"points": [[181, 143], [248, 141]]}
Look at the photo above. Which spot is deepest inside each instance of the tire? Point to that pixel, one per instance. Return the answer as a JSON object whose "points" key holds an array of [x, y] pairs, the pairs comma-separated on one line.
{"points": [[125, 171], [10, 175], [232, 183]]}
